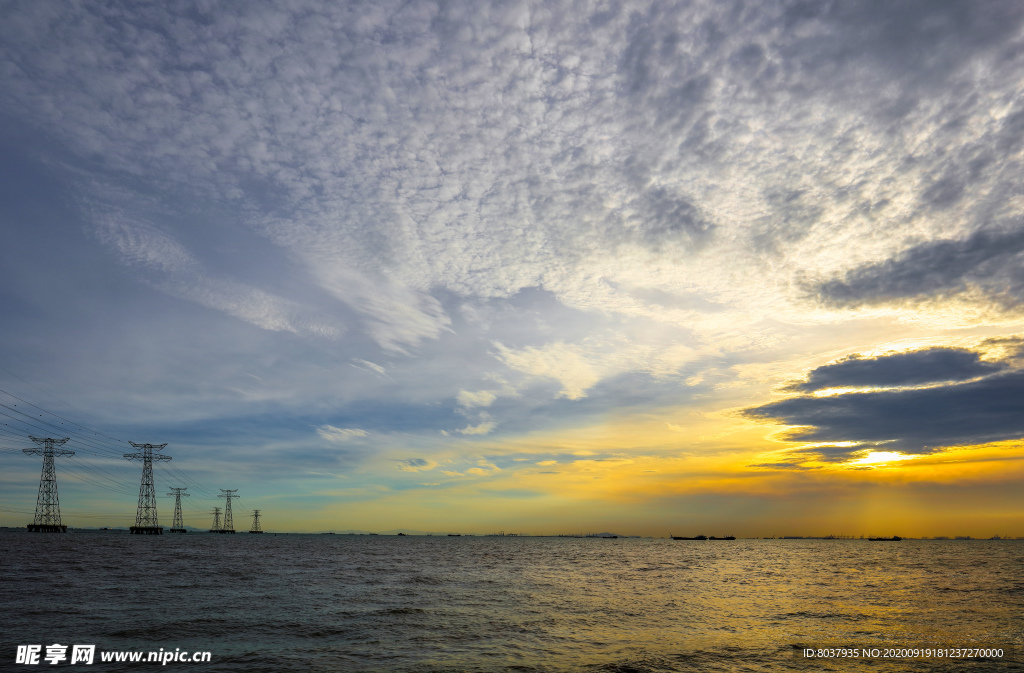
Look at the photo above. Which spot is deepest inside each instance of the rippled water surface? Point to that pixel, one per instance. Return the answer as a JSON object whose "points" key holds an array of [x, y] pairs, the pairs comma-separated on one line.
{"points": [[381, 603]]}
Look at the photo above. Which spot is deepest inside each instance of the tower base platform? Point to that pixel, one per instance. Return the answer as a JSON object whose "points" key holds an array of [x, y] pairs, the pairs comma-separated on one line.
{"points": [[147, 530], [176, 530], [46, 528]]}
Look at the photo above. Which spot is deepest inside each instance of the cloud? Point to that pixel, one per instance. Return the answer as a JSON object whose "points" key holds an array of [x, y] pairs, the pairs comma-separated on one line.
{"points": [[783, 465], [480, 429], [340, 435], [990, 261], [559, 361], [370, 365], [395, 153], [167, 265], [914, 420], [485, 469], [897, 45], [899, 369], [142, 245], [581, 366], [416, 465], [481, 398], [397, 315]]}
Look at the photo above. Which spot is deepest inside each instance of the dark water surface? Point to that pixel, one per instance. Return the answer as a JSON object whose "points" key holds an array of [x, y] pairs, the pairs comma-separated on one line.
{"points": [[381, 603]]}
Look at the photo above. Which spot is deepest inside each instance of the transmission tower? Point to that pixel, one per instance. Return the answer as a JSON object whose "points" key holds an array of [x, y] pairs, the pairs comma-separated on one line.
{"points": [[229, 523], [216, 521], [145, 517], [47, 519], [178, 526], [255, 522]]}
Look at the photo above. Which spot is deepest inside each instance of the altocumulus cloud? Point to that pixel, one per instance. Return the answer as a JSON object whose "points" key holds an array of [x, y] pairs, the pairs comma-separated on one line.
{"points": [[914, 420], [394, 149]]}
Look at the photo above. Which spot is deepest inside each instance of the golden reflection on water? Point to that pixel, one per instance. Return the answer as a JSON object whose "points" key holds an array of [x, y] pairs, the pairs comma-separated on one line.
{"points": [[775, 596]]}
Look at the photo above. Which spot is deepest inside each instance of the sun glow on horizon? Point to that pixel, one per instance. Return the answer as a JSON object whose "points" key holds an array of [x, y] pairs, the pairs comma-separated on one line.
{"points": [[880, 458]]}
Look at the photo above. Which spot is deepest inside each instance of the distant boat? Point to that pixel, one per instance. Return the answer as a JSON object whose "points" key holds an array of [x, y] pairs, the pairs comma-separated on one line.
{"points": [[454, 534], [894, 538], [699, 537], [727, 537], [401, 533]]}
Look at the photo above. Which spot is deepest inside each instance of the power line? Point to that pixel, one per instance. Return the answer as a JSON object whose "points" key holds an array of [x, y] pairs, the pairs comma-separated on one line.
{"points": [[54, 397], [94, 478], [91, 445]]}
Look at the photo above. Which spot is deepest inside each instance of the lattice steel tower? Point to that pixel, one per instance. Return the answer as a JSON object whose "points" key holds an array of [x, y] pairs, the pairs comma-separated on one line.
{"points": [[229, 523], [255, 522], [47, 519], [145, 517], [216, 520], [178, 526]]}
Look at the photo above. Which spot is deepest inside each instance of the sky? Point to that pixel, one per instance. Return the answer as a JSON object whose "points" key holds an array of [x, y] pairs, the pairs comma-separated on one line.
{"points": [[544, 267]]}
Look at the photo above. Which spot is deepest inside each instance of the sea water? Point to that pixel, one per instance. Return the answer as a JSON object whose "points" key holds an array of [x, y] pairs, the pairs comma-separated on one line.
{"points": [[431, 604]]}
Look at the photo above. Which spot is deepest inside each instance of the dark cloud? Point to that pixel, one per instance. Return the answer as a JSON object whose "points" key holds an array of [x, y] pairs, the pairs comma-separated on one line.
{"points": [[900, 369], [797, 459], [908, 48], [912, 421], [665, 218], [989, 260], [781, 466], [793, 212], [827, 454]]}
